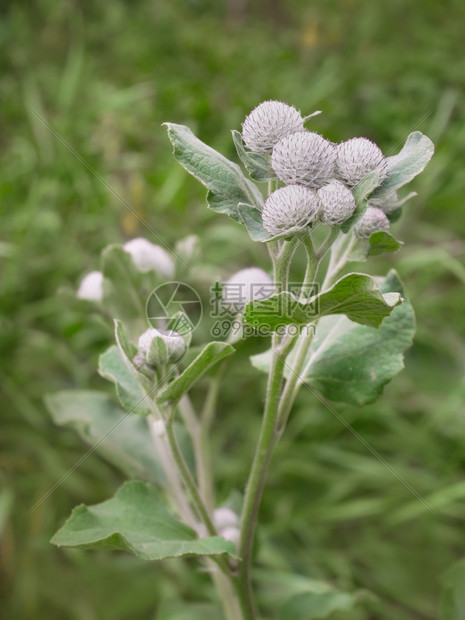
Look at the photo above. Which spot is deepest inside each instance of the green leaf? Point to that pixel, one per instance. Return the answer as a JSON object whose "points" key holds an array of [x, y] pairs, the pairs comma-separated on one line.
{"points": [[94, 415], [355, 295], [453, 595], [211, 354], [378, 243], [257, 166], [136, 520], [131, 394], [361, 191], [317, 605], [226, 184], [252, 220], [406, 165], [352, 363]]}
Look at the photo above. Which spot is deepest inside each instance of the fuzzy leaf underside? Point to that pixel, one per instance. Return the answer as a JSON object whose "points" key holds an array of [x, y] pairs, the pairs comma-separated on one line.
{"points": [[352, 363], [227, 186], [136, 520], [257, 165], [355, 295], [406, 165]]}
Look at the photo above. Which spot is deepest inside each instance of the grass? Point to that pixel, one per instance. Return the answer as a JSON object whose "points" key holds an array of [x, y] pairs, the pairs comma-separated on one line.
{"points": [[105, 77]]}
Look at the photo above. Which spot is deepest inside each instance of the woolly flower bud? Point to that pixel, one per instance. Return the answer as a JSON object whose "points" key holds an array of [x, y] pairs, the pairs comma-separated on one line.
{"points": [[91, 287], [337, 203], [373, 220], [289, 209], [232, 534], [224, 517], [304, 158], [387, 203], [268, 123], [357, 157], [157, 347], [245, 285], [148, 256]]}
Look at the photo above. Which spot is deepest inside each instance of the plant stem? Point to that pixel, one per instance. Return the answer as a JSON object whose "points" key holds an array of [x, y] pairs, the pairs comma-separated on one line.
{"points": [[256, 482]]}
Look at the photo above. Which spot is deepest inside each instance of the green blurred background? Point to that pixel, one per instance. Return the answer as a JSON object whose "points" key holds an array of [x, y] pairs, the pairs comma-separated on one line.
{"points": [[105, 76]]}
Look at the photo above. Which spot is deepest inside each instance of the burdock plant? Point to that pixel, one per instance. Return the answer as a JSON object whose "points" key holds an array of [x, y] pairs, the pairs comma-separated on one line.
{"points": [[340, 333]]}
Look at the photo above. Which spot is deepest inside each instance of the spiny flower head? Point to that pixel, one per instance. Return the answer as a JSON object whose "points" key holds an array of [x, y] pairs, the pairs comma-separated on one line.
{"points": [[91, 287], [337, 203], [373, 220], [387, 203], [148, 256], [268, 123], [289, 209], [357, 157], [304, 158], [156, 346]]}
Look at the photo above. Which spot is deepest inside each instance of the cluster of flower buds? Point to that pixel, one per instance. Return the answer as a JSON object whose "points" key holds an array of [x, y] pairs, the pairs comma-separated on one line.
{"points": [[226, 522], [318, 175]]}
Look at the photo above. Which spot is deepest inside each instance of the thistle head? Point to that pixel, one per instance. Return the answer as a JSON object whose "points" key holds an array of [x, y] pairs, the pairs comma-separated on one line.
{"points": [[387, 203], [337, 203], [268, 123], [91, 287], [290, 209], [304, 158], [147, 256], [224, 517], [246, 285], [357, 157], [156, 347], [373, 220]]}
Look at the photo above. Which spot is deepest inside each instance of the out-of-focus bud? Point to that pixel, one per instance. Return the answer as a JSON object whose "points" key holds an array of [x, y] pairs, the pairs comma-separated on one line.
{"points": [[268, 123], [337, 203], [232, 534], [304, 158], [357, 157], [91, 287], [373, 220], [246, 285], [290, 209], [188, 248], [224, 517], [147, 256], [158, 347]]}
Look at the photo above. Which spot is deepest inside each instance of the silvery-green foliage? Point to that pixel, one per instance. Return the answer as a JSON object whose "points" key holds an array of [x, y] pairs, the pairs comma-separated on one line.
{"points": [[91, 287], [290, 209], [337, 203], [147, 255], [357, 157], [304, 158], [268, 123], [157, 347], [373, 220]]}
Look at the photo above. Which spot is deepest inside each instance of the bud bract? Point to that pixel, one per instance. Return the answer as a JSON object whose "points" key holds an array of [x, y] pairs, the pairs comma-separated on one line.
{"points": [[304, 158], [290, 209], [91, 287], [373, 220], [147, 256], [357, 157], [337, 203], [268, 123], [158, 346]]}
